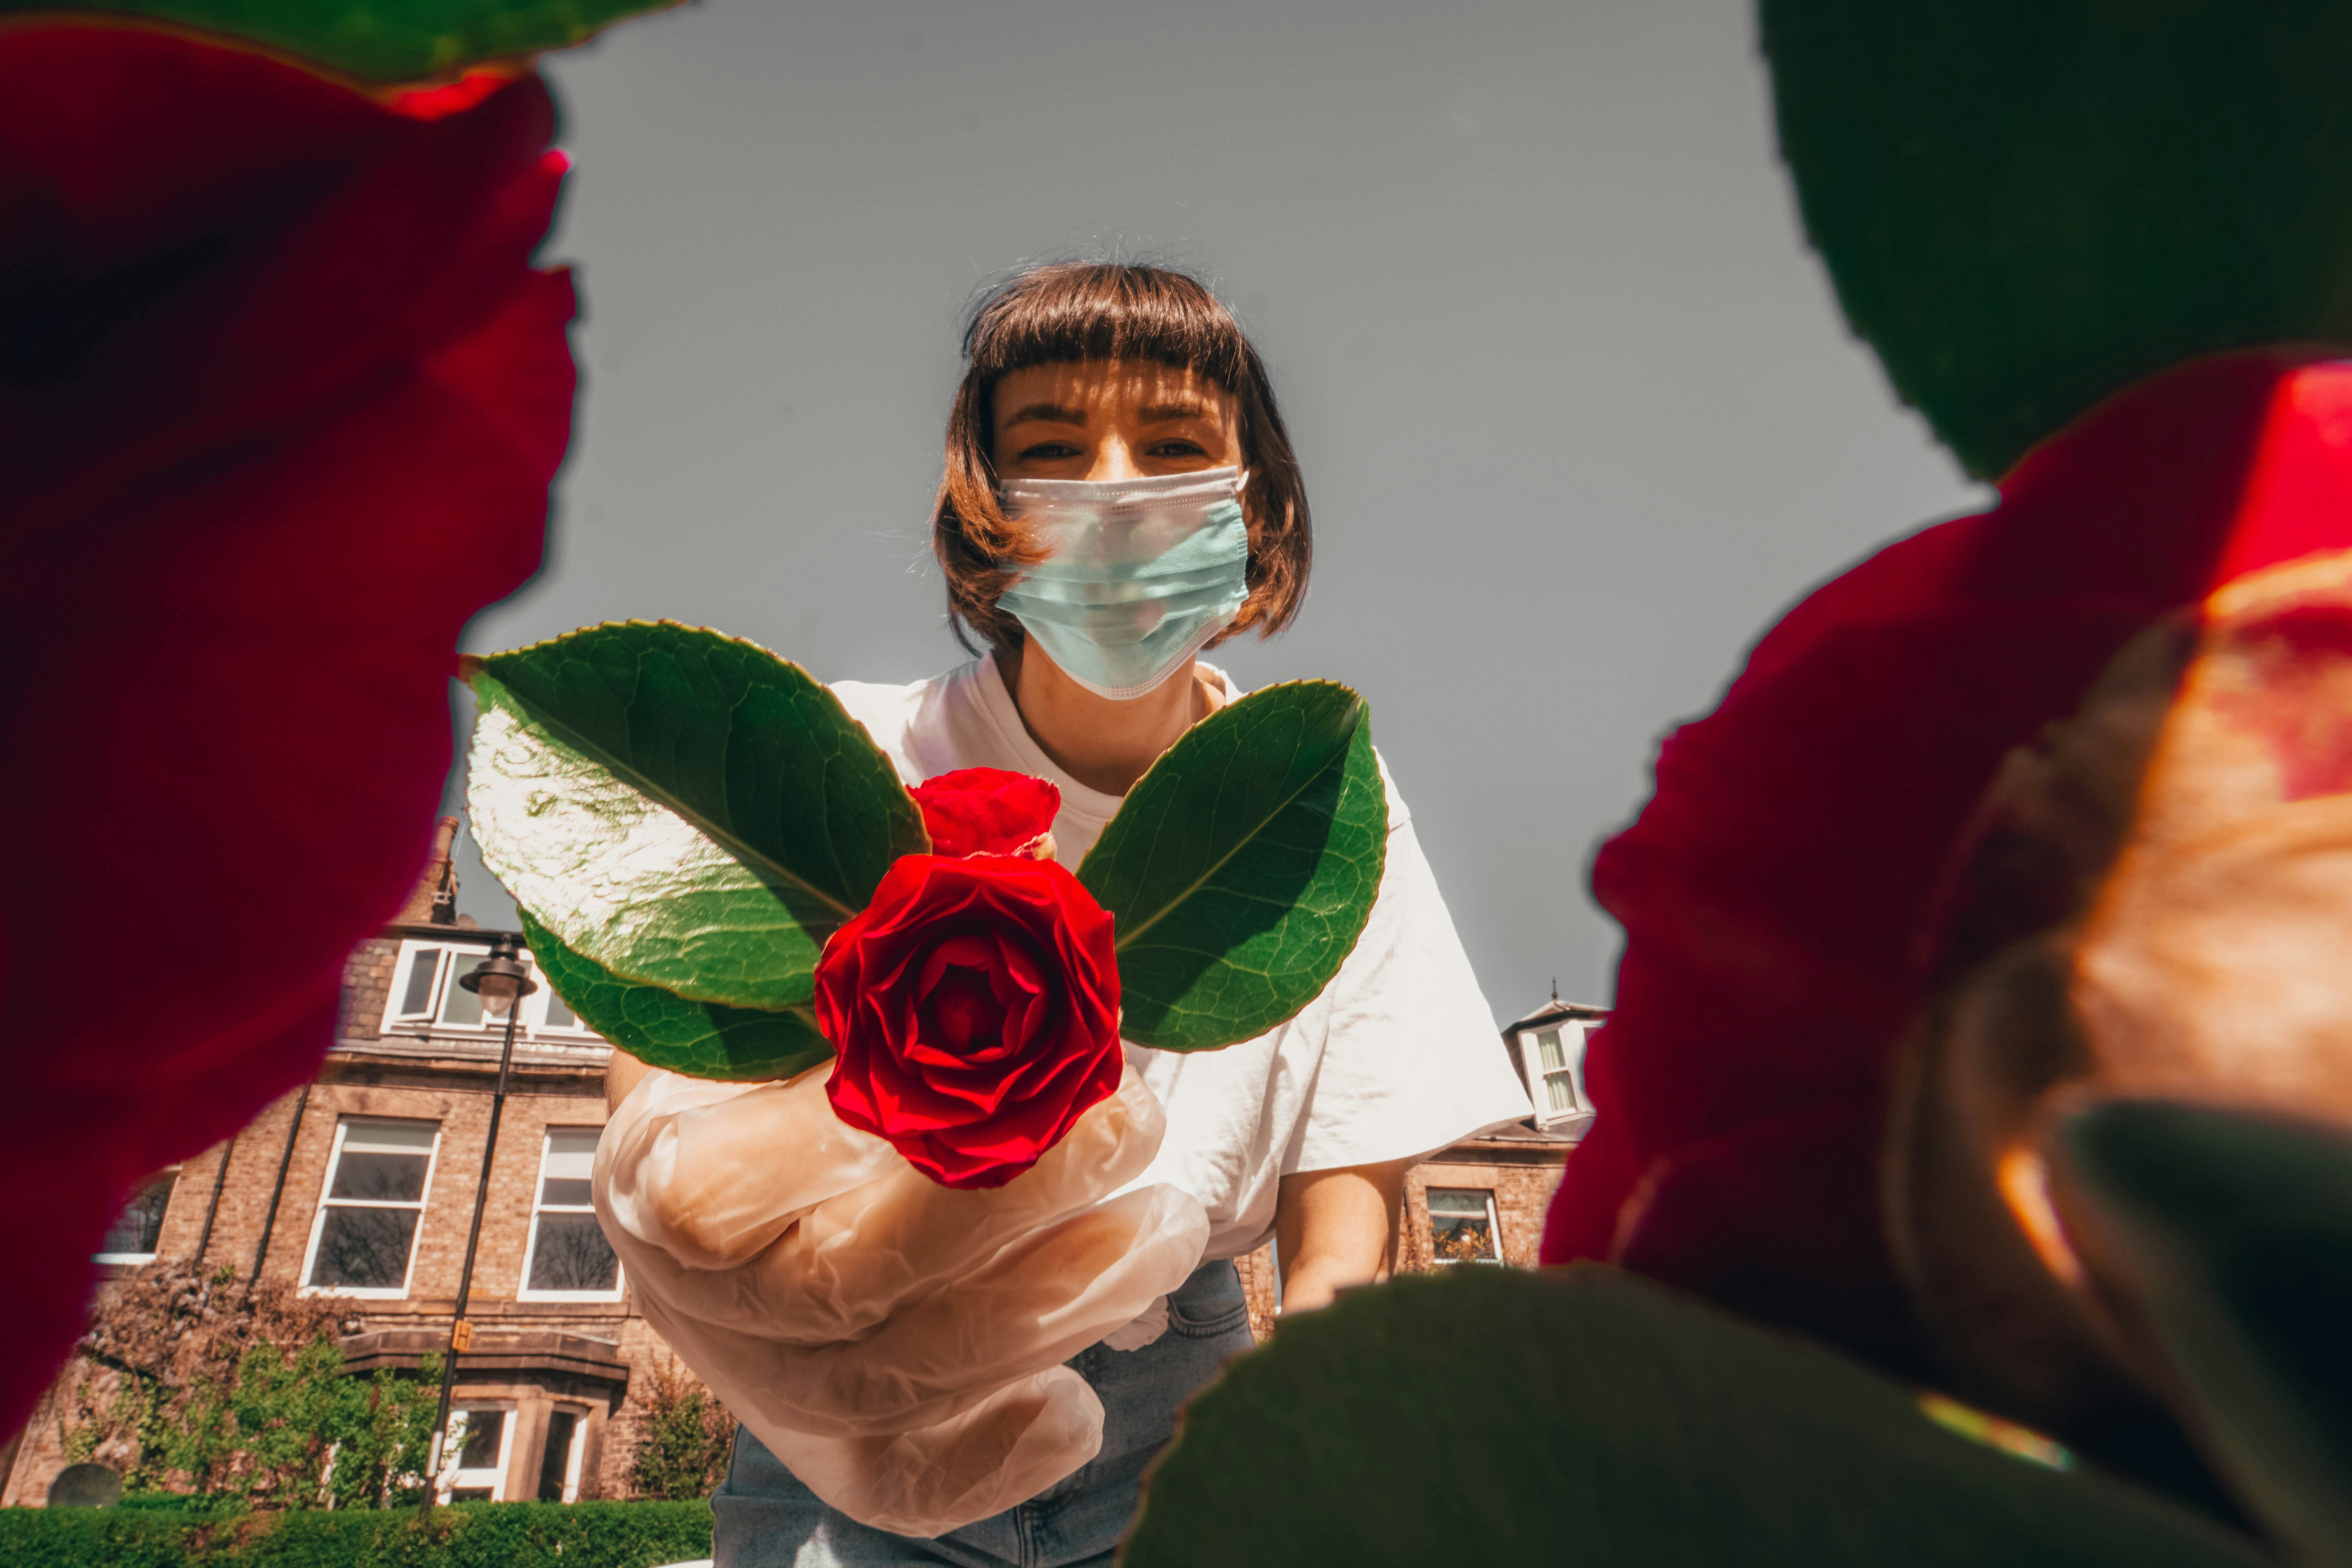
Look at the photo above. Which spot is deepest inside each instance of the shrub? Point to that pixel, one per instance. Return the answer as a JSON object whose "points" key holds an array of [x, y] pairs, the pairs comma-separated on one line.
{"points": [[191, 1381], [471, 1535], [684, 1440]]}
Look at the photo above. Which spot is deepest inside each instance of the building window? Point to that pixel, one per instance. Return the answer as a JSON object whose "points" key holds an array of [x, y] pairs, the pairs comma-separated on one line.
{"points": [[559, 1464], [1462, 1227], [426, 995], [479, 1438], [416, 983], [568, 1258], [554, 1014], [132, 1239], [1553, 1061], [364, 1238]]}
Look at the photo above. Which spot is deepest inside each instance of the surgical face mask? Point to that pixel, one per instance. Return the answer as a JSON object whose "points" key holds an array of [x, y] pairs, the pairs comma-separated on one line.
{"points": [[1139, 573]]}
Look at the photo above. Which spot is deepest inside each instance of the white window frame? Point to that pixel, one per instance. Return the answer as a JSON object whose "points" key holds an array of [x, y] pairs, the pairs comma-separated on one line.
{"points": [[494, 1477], [534, 1009], [448, 967], [578, 1446], [327, 1184], [1573, 1035], [523, 1291], [1494, 1226], [395, 1016], [136, 1258]]}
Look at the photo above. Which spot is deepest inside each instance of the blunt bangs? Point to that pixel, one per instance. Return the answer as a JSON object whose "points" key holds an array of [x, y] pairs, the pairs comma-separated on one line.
{"points": [[1083, 311]]}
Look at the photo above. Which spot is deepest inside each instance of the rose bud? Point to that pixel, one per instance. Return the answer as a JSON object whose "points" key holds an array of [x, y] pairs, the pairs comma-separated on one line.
{"points": [[974, 1003], [989, 811]]}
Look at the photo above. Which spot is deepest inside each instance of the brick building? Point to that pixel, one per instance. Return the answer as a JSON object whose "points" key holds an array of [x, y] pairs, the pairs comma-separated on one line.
{"points": [[362, 1182]]}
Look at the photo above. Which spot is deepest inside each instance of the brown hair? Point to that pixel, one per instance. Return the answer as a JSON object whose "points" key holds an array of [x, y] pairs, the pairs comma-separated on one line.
{"points": [[1076, 310]]}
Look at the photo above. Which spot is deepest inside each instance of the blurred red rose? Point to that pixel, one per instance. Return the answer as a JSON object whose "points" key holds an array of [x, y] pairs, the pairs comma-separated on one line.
{"points": [[986, 811], [280, 397], [975, 1006], [1780, 890]]}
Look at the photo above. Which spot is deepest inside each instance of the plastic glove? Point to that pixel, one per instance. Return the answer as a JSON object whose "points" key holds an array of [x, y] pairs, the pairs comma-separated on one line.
{"points": [[895, 1343]]}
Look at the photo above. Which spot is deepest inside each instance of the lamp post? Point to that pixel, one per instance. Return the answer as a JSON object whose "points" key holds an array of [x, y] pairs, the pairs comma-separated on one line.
{"points": [[500, 978]]}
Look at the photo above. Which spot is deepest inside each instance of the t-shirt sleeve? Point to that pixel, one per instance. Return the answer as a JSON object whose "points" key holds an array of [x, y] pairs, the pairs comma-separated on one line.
{"points": [[1410, 1060]]}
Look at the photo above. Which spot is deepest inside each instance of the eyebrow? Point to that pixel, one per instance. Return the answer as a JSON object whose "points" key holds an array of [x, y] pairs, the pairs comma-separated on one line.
{"points": [[1163, 413], [1050, 413]]}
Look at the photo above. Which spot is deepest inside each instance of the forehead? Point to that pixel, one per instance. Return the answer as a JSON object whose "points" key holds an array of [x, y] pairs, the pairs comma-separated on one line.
{"points": [[1109, 386]]}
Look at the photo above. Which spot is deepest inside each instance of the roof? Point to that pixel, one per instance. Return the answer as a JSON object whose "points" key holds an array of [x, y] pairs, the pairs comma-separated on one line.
{"points": [[1556, 1010]]}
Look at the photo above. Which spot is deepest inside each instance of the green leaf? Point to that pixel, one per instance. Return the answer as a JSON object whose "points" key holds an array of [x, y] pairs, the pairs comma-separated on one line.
{"points": [[2026, 205], [2240, 1231], [1488, 1416], [700, 1039], [380, 41], [681, 808], [1242, 868]]}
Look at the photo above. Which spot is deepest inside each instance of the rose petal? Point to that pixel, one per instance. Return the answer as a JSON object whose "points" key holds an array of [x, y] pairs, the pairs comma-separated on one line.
{"points": [[985, 811], [1781, 882], [282, 420]]}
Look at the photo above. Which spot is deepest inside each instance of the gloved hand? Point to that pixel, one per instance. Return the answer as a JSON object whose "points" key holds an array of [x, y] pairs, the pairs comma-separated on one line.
{"points": [[896, 1343]]}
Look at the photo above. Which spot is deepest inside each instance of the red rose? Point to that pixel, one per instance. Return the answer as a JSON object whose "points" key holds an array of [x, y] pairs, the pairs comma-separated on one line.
{"points": [[1780, 884], [986, 811], [975, 1006], [280, 395]]}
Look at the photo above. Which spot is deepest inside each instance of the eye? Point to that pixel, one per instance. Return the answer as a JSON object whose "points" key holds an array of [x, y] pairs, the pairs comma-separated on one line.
{"points": [[1177, 446], [1049, 452]]}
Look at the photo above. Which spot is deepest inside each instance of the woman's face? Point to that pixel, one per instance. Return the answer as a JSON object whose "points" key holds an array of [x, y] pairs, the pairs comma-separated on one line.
{"points": [[1112, 419]]}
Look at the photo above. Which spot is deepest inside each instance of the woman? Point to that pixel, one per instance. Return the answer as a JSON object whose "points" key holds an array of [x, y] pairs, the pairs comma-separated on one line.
{"points": [[1095, 391]]}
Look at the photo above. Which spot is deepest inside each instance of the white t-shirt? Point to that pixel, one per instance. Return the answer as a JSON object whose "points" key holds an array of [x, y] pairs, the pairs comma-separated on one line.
{"points": [[1398, 1058]]}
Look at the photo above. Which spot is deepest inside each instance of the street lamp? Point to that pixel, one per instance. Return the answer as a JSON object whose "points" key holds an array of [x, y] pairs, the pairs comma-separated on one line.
{"points": [[501, 980]]}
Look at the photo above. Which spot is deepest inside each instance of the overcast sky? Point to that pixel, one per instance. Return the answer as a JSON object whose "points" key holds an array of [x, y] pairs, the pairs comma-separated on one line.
{"points": [[1575, 408]]}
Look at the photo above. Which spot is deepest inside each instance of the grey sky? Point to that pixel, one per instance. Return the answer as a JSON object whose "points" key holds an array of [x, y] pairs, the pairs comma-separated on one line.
{"points": [[1576, 410]]}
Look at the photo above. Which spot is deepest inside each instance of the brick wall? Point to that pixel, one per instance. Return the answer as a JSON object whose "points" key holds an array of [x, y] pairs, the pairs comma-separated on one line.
{"points": [[253, 1156], [367, 986], [1256, 1270], [1522, 1194]]}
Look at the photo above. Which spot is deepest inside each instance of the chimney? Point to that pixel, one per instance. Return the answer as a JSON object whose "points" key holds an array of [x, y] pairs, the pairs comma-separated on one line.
{"points": [[434, 900]]}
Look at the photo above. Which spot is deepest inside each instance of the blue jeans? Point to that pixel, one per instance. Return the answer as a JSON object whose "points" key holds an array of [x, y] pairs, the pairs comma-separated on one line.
{"points": [[766, 1519]]}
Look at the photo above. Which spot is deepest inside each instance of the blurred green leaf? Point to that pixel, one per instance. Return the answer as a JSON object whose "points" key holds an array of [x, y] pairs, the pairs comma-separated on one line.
{"points": [[1241, 868], [2026, 205], [681, 808], [702, 1039], [1488, 1416], [2240, 1230], [379, 40]]}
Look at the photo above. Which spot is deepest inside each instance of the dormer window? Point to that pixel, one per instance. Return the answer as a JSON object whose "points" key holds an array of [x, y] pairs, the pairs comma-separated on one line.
{"points": [[1547, 1047], [1556, 1074]]}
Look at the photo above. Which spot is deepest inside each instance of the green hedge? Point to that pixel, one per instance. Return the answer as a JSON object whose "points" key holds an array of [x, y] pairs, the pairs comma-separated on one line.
{"points": [[470, 1535]]}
